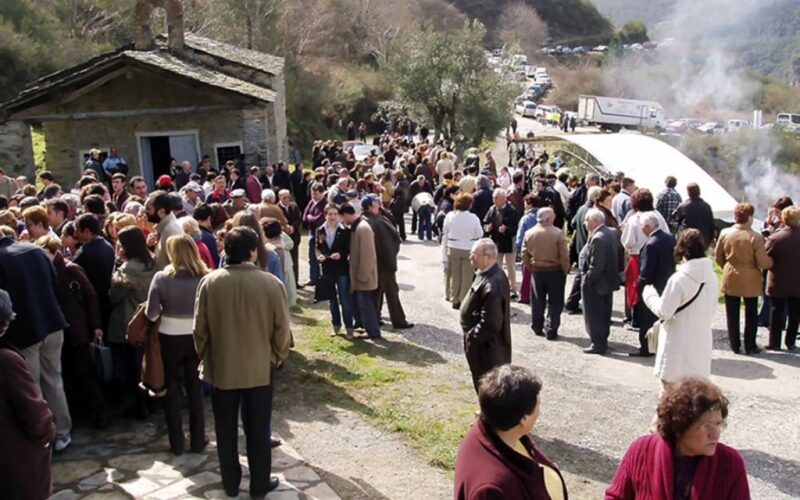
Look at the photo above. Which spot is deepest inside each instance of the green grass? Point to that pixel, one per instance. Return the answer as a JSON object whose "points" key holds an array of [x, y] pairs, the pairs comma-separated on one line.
{"points": [[389, 385]]}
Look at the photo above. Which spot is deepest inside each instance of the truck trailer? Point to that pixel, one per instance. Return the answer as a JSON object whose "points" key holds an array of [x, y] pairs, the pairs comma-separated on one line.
{"points": [[614, 114]]}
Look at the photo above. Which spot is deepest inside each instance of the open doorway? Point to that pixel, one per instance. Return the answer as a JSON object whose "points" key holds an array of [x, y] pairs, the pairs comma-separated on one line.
{"points": [[156, 149]]}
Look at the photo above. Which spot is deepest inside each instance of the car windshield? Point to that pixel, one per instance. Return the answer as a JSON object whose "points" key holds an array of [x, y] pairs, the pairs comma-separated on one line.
{"points": [[363, 150]]}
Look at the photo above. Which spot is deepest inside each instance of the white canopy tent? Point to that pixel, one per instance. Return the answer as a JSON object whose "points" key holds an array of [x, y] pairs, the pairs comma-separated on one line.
{"points": [[649, 161]]}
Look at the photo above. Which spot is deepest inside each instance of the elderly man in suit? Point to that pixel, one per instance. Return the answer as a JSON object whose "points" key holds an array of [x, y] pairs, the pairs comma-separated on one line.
{"points": [[603, 261], [656, 266], [241, 330], [485, 313]]}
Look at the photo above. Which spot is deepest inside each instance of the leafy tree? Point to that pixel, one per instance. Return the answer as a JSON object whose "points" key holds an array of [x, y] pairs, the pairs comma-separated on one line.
{"points": [[634, 32], [446, 78]]}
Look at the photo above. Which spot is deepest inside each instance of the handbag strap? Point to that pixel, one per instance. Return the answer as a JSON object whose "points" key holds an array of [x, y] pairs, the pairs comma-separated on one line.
{"points": [[684, 306]]}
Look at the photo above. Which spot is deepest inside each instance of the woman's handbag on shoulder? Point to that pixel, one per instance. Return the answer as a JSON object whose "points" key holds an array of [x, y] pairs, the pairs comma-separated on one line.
{"points": [[655, 330], [143, 332]]}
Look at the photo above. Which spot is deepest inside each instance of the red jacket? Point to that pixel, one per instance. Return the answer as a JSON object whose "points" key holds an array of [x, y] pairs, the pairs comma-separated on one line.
{"points": [[487, 469], [646, 472], [253, 189]]}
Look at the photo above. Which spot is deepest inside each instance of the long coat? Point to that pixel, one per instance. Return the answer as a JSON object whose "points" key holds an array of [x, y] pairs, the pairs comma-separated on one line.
{"points": [[783, 279], [742, 256], [363, 259], [486, 322], [684, 343], [26, 428], [241, 323]]}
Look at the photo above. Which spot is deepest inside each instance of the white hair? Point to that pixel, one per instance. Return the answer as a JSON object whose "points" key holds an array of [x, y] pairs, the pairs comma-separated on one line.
{"points": [[284, 191], [545, 215], [591, 194], [134, 208], [649, 219], [485, 246], [268, 195], [499, 192], [596, 215]]}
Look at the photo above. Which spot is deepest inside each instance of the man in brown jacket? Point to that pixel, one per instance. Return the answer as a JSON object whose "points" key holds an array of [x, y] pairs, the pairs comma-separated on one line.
{"points": [[241, 323], [363, 270], [546, 254]]}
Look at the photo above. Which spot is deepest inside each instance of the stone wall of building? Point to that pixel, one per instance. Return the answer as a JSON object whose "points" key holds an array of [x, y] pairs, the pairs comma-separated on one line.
{"points": [[65, 139], [16, 149]]}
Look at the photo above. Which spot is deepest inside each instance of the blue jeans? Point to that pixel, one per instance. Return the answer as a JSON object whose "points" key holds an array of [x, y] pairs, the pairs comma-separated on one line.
{"points": [[368, 313], [425, 226], [313, 263], [341, 296]]}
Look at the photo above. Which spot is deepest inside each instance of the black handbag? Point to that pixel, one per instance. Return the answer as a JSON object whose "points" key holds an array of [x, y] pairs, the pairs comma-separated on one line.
{"points": [[325, 289]]}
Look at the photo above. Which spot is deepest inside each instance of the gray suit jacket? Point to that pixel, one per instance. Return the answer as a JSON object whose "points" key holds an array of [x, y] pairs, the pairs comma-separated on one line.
{"points": [[605, 262]]}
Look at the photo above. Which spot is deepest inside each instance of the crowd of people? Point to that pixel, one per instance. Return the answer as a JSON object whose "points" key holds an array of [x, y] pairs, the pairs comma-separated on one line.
{"points": [[212, 251]]}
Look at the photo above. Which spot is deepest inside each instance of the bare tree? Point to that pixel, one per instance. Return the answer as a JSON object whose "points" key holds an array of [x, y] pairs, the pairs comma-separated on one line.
{"points": [[520, 24], [307, 25]]}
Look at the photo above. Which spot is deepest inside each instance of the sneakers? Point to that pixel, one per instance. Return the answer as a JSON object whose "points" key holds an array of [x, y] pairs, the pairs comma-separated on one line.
{"points": [[62, 442]]}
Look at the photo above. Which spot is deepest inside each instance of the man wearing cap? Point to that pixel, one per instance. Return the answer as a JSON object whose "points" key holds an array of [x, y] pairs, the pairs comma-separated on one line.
{"points": [[191, 195], [164, 183], [237, 203], [387, 246]]}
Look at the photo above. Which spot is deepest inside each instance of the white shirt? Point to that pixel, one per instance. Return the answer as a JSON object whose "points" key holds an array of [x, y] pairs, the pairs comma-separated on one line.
{"points": [[460, 230], [633, 238], [617, 205], [563, 190]]}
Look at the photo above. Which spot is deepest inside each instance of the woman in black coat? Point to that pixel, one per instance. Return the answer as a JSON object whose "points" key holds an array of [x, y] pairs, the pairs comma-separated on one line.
{"points": [[80, 306], [333, 250]]}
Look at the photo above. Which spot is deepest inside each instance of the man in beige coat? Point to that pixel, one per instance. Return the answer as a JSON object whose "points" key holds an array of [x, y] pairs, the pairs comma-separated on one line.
{"points": [[363, 270], [545, 253], [241, 330]]}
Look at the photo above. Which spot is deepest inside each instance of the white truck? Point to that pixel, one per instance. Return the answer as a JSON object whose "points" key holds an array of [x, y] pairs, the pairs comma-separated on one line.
{"points": [[614, 114]]}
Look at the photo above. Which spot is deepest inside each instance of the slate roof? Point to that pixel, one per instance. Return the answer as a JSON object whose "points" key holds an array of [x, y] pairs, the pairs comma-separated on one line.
{"points": [[163, 59]]}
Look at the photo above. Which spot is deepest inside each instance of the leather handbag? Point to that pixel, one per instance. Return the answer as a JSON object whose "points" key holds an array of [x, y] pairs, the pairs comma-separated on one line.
{"points": [[655, 331], [143, 332]]}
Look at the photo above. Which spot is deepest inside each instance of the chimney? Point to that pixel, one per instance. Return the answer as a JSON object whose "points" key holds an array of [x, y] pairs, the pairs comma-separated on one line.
{"points": [[143, 13]]}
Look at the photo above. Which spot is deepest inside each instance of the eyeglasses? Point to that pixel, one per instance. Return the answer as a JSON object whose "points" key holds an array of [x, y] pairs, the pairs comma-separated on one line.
{"points": [[707, 427]]}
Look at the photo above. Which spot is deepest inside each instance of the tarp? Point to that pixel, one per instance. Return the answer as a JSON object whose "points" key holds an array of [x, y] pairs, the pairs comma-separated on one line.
{"points": [[649, 161]]}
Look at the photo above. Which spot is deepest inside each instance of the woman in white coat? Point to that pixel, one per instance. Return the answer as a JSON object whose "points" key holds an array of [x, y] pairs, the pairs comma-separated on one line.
{"points": [[686, 309]]}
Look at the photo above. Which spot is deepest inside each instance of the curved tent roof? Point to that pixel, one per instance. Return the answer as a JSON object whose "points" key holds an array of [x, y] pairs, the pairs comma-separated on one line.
{"points": [[649, 161]]}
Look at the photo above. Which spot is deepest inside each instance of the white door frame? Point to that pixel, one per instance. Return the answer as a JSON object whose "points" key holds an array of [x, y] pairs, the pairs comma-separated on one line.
{"points": [[140, 135]]}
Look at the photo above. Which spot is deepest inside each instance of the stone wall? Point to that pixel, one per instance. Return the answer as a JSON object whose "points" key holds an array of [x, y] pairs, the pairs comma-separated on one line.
{"points": [[65, 139], [16, 149]]}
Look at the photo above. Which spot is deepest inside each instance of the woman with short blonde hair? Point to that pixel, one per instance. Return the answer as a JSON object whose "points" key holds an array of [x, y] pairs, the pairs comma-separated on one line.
{"points": [[171, 298]]}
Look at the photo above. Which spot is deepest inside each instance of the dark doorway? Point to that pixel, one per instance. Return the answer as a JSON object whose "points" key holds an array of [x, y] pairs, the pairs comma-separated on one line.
{"points": [[160, 156]]}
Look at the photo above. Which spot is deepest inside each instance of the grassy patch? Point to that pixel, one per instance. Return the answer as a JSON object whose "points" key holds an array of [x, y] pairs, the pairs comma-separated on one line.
{"points": [[388, 384]]}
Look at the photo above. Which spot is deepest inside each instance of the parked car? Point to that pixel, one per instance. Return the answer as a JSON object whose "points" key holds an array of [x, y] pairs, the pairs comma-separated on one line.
{"points": [[713, 128], [348, 145], [526, 109], [682, 125], [735, 124], [600, 48], [364, 151]]}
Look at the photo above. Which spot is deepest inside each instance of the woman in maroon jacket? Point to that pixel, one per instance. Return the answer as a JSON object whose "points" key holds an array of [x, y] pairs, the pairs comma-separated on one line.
{"points": [[684, 460], [26, 424], [497, 459]]}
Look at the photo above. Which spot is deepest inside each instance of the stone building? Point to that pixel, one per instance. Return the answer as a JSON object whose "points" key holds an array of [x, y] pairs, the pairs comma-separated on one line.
{"points": [[180, 95]]}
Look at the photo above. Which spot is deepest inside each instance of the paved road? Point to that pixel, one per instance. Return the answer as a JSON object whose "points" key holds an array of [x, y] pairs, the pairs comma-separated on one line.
{"points": [[595, 406]]}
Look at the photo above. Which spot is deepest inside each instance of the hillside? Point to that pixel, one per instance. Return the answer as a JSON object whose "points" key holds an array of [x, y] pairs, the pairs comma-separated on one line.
{"points": [[567, 20], [761, 34]]}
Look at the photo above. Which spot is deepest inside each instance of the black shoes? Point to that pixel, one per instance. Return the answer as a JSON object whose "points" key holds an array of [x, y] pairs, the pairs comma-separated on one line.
{"points": [[592, 350], [405, 326], [552, 336], [456, 305], [573, 312], [538, 333], [752, 350], [273, 484], [274, 442], [641, 354]]}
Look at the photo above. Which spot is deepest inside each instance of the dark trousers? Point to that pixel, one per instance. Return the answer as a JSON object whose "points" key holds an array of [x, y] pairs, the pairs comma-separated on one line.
{"points": [[425, 225], [368, 313], [413, 222], [597, 317], [645, 319], [80, 381], [732, 305], [313, 263], [256, 406], [399, 220], [180, 369], [547, 291], [780, 308], [387, 286], [574, 299]]}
